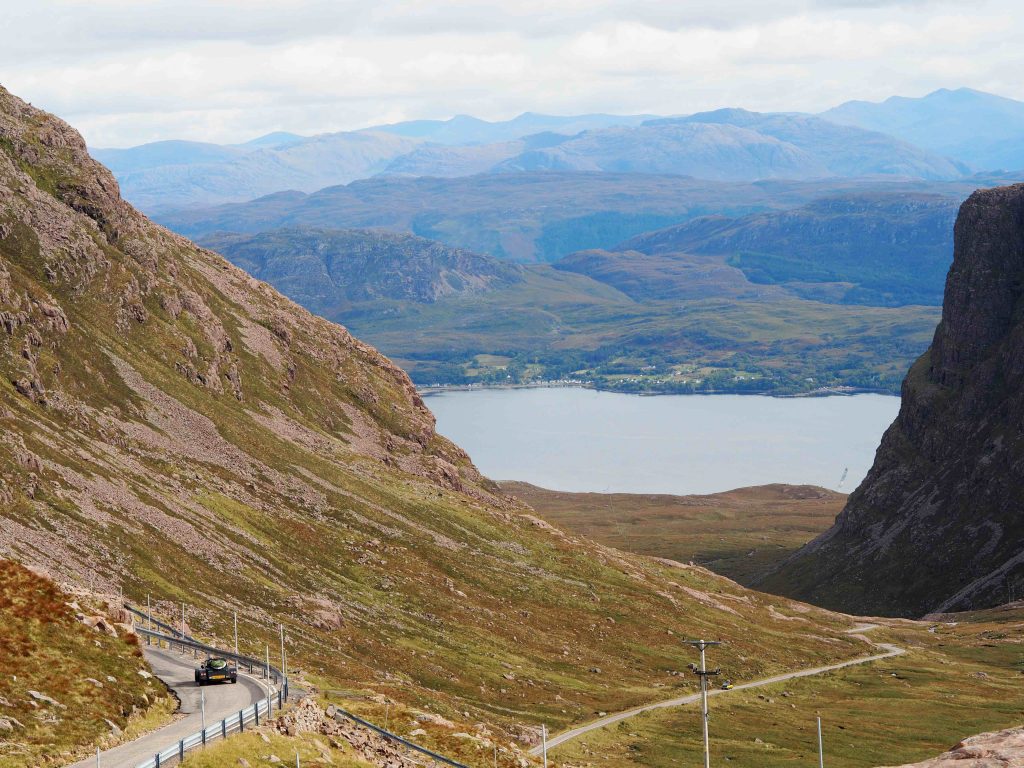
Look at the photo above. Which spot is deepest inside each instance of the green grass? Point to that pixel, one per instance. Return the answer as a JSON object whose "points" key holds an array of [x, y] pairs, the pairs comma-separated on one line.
{"points": [[740, 534], [952, 684]]}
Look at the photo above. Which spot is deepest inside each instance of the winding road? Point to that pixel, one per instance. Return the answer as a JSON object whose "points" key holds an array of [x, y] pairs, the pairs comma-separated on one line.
{"points": [[857, 631], [177, 671]]}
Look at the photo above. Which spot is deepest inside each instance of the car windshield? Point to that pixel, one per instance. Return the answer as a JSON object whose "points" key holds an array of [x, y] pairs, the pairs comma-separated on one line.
{"points": [[217, 663]]}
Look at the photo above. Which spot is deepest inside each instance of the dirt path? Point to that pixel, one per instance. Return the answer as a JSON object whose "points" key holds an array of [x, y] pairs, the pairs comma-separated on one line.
{"points": [[857, 631]]}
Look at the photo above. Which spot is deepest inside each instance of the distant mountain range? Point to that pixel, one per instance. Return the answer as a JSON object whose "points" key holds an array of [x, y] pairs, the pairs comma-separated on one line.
{"points": [[536, 216], [877, 248], [980, 129], [945, 135], [449, 315], [465, 129], [176, 173]]}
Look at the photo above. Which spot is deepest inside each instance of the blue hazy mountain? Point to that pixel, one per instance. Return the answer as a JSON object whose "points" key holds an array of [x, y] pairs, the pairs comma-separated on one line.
{"points": [[980, 129], [465, 129]]}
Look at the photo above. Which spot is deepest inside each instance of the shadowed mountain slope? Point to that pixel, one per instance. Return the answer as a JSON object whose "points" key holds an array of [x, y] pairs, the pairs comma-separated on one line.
{"points": [[936, 525]]}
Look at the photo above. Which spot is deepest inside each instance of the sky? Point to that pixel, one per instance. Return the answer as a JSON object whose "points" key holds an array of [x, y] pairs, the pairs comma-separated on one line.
{"points": [[125, 72]]}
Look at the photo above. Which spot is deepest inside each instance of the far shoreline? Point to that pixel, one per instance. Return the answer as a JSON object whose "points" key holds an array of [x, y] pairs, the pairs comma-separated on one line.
{"points": [[838, 391]]}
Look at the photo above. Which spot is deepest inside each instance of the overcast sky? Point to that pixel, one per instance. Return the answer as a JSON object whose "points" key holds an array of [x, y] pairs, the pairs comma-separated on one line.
{"points": [[129, 71]]}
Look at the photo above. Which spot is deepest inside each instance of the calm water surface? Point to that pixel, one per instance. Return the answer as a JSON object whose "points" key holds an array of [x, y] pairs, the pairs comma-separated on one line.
{"points": [[582, 440]]}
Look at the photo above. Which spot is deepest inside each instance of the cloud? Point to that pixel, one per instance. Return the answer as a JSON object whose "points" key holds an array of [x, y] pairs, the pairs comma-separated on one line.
{"points": [[128, 71]]}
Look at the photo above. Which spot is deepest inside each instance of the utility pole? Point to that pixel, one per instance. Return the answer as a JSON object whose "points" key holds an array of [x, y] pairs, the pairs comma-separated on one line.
{"points": [[284, 669], [821, 752], [202, 709], [704, 673], [544, 742], [149, 611], [97, 757], [236, 633], [183, 621], [267, 668]]}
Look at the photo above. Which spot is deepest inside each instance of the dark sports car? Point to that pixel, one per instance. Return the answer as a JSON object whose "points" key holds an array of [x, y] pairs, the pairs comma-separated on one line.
{"points": [[216, 670]]}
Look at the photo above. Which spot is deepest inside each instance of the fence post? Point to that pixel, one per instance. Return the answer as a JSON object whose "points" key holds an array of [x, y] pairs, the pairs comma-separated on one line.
{"points": [[224, 728], [181, 749], [257, 709], [241, 722], [157, 760]]}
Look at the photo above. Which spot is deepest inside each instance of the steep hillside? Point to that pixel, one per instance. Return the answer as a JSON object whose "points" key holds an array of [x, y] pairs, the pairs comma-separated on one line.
{"points": [[876, 249], [72, 676], [936, 525], [174, 426], [842, 150], [983, 130], [329, 270]]}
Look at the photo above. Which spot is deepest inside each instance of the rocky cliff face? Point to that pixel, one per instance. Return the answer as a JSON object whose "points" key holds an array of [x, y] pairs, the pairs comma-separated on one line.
{"points": [[938, 524]]}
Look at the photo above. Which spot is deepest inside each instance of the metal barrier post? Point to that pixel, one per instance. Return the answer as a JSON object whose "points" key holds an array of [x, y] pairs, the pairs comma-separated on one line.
{"points": [[224, 728], [181, 749], [241, 722]]}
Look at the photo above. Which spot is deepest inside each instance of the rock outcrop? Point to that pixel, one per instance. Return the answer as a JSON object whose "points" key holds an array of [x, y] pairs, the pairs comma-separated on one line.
{"points": [[938, 523], [1002, 749]]}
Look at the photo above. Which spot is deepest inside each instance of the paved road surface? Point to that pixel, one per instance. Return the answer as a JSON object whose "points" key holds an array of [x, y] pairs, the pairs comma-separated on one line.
{"points": [[857, 631], [178, 672]]}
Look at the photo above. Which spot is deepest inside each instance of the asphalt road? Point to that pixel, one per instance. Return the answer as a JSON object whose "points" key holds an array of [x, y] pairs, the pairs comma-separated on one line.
{"points": [[178, 672], [857, 631]]}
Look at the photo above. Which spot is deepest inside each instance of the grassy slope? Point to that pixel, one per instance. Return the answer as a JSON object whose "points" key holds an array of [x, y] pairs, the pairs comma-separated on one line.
{"points": [[192, 434], [959, 681], [44, 648], [739, 534]]}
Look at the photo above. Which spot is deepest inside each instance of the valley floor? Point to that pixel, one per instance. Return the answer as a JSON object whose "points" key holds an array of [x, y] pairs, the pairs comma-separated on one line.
{"points": [[956, 679], [740, 533]]}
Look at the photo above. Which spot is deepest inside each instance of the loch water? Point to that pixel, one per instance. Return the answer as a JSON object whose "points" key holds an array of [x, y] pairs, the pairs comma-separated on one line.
{"points": [[575, 439]]}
